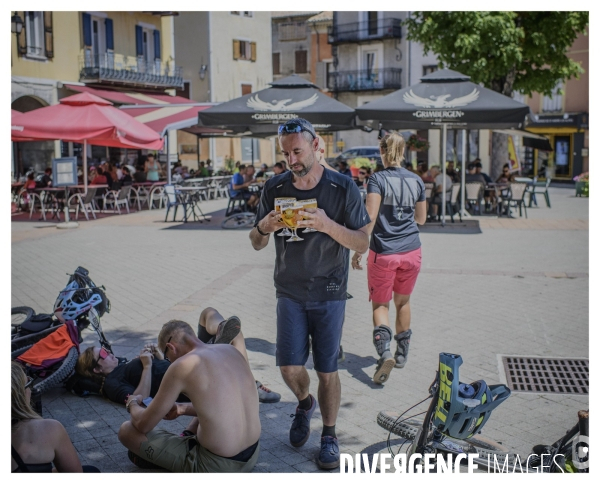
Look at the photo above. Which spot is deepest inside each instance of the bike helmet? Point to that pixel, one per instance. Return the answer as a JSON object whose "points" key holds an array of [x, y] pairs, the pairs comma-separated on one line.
{"points": [[72, 302], [87, 289], [462, 410]]}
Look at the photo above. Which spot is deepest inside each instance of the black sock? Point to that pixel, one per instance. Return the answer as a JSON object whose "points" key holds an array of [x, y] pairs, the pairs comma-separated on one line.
{"points": [[328, 430], [305, 404]]}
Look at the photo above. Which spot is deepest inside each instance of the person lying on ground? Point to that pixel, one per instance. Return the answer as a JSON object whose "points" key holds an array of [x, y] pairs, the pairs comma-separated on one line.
{"points": [[143, 375], [37, 443], [222, 390]]}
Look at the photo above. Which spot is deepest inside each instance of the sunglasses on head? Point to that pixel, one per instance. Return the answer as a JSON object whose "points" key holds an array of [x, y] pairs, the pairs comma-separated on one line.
{"points": [[291, 128], [102, 355]]}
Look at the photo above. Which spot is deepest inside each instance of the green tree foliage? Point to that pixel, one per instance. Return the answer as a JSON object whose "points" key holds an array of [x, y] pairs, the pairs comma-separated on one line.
{"points": [[524, 52]]}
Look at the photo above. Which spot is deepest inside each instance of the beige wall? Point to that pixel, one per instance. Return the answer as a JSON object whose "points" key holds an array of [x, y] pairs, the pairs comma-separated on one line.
{"points": [[124, 30], [67, 46], [227, 74], [577, 91]]}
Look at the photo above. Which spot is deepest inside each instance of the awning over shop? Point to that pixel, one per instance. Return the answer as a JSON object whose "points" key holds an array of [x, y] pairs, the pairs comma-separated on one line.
{"points": [[159, 112]]}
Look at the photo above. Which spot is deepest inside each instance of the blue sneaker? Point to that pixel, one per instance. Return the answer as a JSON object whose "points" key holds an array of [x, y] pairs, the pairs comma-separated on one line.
{"points": [[329, 456], [300, 430]]}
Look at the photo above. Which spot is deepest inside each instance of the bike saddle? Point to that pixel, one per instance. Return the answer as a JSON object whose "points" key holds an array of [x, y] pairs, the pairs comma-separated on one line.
{"points": [[463, 409], [37, 323]]}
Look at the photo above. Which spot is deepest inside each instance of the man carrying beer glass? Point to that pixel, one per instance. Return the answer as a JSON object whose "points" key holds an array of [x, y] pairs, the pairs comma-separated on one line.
{"points": [[311, 277]]}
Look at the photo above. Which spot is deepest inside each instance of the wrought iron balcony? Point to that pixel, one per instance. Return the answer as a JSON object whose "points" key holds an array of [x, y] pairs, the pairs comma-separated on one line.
{"points": [[387, 28], [121, 69], [365, 80]]}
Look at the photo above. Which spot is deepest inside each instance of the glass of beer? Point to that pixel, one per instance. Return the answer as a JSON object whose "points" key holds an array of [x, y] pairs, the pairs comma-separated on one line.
{"points": [[278, 202], [291, 217], [310, 203]]}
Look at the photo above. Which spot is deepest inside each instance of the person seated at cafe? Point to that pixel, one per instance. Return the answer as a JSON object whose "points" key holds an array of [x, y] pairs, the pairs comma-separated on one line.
{"points": [[30, 182], [424, 173], [99, 178], [471, 175], [209, 167], [478, 168], [489, 195], [139, 176], [263, 171], [279, 168], [46, 179], [438, 179], [452, 173], [202, 171], [185, 173], [119, 378], [249, 174], [127, 179], [119, 171], [238, 186], [343, 168], [506, 176], [237, 168]]}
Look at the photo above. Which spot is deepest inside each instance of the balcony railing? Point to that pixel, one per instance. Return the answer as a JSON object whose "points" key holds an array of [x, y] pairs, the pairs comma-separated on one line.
{"points": [[365, 80], [132, 70], [365, 30]]}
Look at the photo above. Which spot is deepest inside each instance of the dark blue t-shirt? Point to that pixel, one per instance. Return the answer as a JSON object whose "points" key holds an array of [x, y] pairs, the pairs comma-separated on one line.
{"points": [[395, 229], [315, 269]]}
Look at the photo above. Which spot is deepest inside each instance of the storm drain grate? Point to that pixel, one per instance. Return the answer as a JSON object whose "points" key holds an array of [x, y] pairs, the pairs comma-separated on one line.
{"points": [[547, 375]]}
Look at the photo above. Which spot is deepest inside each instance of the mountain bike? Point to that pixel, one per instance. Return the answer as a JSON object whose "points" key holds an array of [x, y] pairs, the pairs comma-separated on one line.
{"points": [[453, 422]]}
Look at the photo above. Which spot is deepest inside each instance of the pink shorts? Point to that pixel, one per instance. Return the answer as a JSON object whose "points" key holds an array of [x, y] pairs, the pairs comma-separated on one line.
{"points": [[392, 272]]}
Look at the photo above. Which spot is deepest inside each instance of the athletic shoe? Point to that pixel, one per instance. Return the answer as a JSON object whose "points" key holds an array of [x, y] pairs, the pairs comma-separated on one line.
{"points": [[141, 463], [300, 430], [228, 330], [384, 367], [265, 395], [403, 340], [382, 336], [329, 456]]}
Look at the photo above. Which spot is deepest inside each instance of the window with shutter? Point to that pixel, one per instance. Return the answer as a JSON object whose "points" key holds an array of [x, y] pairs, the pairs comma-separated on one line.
{"points": [[253, 51], [246, 89], [48, 39], [236, 49], [34, 22], [276, 63], [22, 37], [301, 64]]}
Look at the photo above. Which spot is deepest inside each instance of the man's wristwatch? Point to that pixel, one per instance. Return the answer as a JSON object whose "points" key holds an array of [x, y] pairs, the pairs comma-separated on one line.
{"points": [[128, 404], [260, 231]]}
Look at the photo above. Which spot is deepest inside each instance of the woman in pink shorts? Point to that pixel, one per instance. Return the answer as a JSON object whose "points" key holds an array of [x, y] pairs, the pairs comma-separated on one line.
{"points": [[396, 204]]}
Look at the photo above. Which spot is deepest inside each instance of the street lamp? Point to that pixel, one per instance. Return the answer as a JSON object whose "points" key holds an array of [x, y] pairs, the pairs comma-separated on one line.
{"points": [[16, 24], [203, 69]]}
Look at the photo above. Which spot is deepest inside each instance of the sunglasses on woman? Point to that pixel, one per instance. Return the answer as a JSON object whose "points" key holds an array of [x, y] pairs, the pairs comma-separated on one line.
{"points": [[29, 382], [102, 355]]}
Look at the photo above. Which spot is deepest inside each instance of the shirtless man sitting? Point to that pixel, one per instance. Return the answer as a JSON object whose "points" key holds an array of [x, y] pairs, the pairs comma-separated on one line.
{"points": [[218, 381]]}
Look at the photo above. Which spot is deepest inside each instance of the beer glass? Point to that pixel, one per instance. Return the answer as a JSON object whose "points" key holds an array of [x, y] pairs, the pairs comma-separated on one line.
{"points": [[290, 217], [278, 202], [310, 203]]}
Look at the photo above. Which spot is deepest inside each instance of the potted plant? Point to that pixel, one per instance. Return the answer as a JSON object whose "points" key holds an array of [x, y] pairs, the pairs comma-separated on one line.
{"points": [[416, 143], [358, 163], [582, 185]]}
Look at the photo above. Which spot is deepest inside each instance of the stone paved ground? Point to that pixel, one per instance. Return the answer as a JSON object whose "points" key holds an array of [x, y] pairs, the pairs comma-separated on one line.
{"points": [[518, 288]]}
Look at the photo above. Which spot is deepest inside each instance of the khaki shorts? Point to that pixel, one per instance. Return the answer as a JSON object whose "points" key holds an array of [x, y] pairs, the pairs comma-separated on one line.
{"points": [[172, 452]]}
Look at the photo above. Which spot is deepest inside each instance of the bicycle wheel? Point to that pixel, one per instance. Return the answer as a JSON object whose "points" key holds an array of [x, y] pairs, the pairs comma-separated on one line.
{"points": [[239, 221], [61, 374], [20, 314], [478, 444]]}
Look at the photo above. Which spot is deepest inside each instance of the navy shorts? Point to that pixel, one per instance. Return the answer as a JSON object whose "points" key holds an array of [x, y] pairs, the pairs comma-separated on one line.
{"points": [[321, 320]]}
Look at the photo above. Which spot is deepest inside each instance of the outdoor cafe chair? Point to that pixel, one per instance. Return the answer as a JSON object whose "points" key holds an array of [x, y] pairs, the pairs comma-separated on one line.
{"points": [[36, 202], [84, 202], [473, 194], [174, 199], [157, 194], [453, 205], [140, 195], [117, 198], [515, 198], [542, 189], [224, 186]]}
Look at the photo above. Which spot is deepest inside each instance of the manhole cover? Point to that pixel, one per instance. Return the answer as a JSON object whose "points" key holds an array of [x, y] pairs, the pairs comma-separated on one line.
{"points": [[547, 375]]}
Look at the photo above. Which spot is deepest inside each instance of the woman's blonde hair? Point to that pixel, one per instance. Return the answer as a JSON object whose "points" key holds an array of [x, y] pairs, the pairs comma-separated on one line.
{"points": [[20, 404], [392, 145]]}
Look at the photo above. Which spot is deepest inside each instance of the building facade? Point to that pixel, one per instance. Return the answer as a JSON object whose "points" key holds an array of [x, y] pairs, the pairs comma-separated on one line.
{"points": [[57, 53], [224, 55]]}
